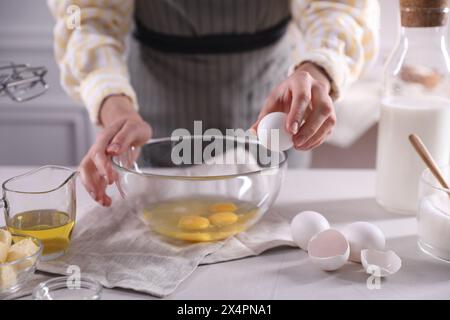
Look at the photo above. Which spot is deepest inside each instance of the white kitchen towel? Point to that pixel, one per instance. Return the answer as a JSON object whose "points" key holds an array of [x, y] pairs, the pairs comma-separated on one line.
{"points": [[272, 231], [113, 246]]}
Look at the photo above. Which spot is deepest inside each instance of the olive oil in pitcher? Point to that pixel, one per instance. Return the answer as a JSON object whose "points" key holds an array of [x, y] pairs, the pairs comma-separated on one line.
{"points": [[42, 203], [52, 227]]}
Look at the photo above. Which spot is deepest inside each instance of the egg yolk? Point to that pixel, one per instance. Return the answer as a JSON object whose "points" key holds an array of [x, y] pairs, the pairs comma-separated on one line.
{"points": [[223, 207], [190, 236], [193, 223], [147, 215], [223, 218]]}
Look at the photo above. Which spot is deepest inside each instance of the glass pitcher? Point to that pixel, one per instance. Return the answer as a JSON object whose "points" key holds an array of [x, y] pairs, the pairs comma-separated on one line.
{"points": [[42, 203]]}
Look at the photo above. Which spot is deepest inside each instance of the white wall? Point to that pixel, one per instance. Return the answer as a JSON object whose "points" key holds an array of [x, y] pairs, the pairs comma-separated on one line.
{"points": [[51, 129], [54, 129]]}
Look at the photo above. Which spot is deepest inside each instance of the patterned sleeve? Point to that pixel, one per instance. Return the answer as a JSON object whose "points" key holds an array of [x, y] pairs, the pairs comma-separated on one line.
{"points": [[91, 55], [341, 36]]}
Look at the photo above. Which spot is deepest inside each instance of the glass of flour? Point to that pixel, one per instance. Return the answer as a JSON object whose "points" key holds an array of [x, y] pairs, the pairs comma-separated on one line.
{"points": [[434, 216]]}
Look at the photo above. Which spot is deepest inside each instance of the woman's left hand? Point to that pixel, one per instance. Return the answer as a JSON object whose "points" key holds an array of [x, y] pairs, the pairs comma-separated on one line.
{"points": [[304, 96]]}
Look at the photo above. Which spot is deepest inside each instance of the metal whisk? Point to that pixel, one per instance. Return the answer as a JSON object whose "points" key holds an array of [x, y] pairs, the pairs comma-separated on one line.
{"points": [[21, 82]]}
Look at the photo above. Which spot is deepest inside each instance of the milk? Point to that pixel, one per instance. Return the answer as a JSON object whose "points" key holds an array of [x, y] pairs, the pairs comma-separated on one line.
{"points": [[434, 225], [398, 166]]}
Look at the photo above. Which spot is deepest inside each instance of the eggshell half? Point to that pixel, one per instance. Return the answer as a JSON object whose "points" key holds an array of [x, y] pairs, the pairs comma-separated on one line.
{"points": [[380, 263], [363, 235], [274, 121], [306, 225], [329, 250]]}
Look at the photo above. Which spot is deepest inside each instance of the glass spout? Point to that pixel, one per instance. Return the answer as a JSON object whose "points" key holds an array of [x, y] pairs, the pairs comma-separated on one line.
{"points": [[41, 180]]}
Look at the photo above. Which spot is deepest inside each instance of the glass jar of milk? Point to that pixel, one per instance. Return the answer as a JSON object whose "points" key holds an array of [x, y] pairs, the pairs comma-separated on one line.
{"points": [[416, 99]]}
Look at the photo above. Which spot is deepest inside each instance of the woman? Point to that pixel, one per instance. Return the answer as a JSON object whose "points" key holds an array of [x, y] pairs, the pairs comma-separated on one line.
{"points": [[224, 62]]}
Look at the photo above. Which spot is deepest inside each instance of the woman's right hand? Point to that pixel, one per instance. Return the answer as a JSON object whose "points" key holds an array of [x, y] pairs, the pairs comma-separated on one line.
{"points": [[123, 127]]}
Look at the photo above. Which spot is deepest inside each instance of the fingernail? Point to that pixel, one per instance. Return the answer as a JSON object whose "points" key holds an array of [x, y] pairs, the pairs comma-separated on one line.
{"points": [[304, 146], [115, 147], [301, 140], [294, 127]]}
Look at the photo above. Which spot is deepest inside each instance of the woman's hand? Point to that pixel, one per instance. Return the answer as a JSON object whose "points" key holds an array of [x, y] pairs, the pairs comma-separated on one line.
{"points": [[304, 96], [123, 127]]}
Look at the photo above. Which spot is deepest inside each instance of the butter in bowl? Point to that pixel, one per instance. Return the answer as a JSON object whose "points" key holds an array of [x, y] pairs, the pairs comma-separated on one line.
{"points": [[18, 257]]}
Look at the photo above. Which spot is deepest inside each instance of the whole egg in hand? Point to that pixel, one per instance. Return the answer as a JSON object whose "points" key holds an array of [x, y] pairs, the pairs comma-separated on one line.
{"points": [[272, 132], [363, 235], [306, 225]]}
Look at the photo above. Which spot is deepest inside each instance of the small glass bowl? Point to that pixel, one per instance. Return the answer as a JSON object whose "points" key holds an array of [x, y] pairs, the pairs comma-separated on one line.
{"points": [[68, 288], [15, 274], [433, 218]]}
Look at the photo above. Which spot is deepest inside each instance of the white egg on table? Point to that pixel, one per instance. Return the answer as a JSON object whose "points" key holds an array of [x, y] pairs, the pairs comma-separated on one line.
{"points": [[363, 235], [329, 250], [306, 225], [271, 127]]}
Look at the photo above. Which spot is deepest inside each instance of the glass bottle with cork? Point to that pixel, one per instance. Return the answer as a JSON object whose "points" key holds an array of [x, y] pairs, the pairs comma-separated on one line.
{"points": [[416, 99]]}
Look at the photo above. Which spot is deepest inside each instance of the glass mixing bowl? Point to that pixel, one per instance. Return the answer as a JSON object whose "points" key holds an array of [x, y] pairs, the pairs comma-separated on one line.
{"points": [[200, 188]]}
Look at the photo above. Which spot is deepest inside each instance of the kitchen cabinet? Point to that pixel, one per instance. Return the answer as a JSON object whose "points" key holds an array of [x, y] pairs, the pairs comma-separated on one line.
{"points": [[36, 134]]}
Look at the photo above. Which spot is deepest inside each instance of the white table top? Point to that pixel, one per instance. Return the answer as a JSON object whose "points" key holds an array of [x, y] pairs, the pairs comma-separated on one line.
{"points": [[343, 196]]}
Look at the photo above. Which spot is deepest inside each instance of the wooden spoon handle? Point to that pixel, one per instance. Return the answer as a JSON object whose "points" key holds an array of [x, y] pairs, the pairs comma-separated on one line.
{"points": [[428, 159]]}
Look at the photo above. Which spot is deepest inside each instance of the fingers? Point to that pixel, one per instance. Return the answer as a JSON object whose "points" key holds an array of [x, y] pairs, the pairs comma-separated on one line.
{"points": [[277, 100], [322, 109], [306, 100], [269, 105], [130, 134], [301, 98], [104, 167], [98, 151], [94, 183], [320, 136], [96, 169]]}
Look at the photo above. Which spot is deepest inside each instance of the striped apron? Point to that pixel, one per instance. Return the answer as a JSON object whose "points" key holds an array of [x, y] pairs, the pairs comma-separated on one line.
{"points": [[223, 90]]}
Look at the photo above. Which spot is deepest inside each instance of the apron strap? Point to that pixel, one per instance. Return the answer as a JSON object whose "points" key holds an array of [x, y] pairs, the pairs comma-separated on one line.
{"points": [[210, 44]]}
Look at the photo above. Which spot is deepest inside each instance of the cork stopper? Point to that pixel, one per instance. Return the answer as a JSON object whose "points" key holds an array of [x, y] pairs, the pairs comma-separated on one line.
{"points": [[424, 13]]}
